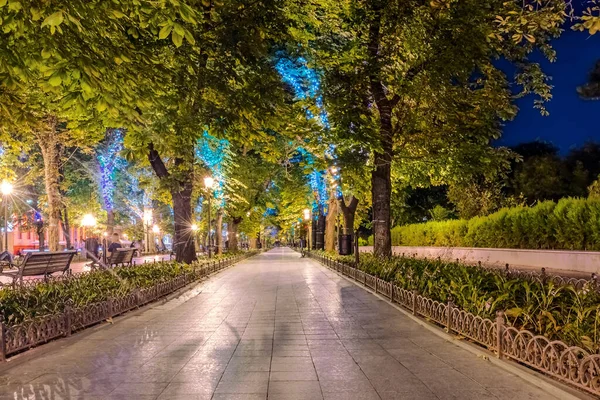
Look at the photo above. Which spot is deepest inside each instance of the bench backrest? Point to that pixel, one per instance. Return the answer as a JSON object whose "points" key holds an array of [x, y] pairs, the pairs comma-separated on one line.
{"points": [[45, 263], [121, 256]]}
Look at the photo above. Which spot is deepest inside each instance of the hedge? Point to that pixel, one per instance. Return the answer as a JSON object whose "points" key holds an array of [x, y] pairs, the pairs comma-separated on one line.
{"points": [[570, 224]]}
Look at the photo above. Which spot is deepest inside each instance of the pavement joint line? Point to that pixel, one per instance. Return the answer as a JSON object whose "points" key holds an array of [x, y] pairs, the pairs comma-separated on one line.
{"points": [[59, 343], [552, 387]]}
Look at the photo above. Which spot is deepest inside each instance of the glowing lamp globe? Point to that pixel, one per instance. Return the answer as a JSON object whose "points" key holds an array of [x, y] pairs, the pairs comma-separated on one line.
{"points": [[155, 229], [6, 187], [88, 220], [209, 182]]}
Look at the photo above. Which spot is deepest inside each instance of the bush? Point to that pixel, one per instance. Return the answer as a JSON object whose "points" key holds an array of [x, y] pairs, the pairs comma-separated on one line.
{"points": [[17, 305], [569, 224]]}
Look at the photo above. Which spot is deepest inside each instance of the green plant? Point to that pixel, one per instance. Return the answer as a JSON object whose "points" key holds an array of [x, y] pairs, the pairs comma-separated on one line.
{"points": [[570, 223]]}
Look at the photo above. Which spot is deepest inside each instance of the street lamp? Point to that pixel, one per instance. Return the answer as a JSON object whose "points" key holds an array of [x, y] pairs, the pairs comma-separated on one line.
{"points": [[307, 218], [88, 221], [6, 188], [209, 183], [147, 220]]}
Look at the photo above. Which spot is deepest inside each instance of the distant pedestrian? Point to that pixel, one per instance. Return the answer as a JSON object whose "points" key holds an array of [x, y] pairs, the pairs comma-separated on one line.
{"points": [[115, 244]]}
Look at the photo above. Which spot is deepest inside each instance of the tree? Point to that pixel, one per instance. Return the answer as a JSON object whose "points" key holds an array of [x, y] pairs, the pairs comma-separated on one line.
{"points": [[418, 70]]}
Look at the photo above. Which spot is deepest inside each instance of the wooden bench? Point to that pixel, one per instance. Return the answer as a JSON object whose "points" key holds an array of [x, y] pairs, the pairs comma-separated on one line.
{"points": [[42, 263], [121, 257]]}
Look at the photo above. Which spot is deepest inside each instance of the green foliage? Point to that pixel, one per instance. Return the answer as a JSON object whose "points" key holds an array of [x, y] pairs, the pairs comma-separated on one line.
{"points": [[594, 190], [561, 313], [570, 224], [439, 213], [51, 297]]}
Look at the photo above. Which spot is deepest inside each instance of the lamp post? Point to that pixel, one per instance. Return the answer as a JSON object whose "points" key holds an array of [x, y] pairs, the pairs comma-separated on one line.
{"points": [[155, 231], [146, 225], [6, 188], [194, 232], [208, 183], [307, 218], [88, 221]]}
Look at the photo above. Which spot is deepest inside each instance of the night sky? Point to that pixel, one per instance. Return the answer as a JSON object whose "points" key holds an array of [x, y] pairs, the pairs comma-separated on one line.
{"points": [[572, 121]]}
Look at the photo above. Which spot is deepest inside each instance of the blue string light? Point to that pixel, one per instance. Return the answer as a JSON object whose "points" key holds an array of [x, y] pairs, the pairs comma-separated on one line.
{"points": [[110, 161], [212, 152]]}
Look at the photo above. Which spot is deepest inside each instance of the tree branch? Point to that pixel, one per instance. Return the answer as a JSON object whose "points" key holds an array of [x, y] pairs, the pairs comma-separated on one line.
{"points": [[159, 167]]}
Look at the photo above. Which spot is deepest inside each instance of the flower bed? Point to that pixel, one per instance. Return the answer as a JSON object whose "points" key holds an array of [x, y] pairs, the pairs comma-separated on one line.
{"points": [[34, 314], [558, 359]]}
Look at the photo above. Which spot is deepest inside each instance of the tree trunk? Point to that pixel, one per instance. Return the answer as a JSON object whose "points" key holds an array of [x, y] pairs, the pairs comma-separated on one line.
{"points": [[219, 231], [252, 243], [381, 182], [381, 178], [233, 232], [349, 212], [51, 148], [181, 194], [66, 226], [332, 213], [110, 222], [41, 237]]}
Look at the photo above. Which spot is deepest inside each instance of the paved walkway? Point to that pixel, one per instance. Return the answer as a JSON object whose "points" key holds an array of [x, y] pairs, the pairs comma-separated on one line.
{"points": [[275, 325]]}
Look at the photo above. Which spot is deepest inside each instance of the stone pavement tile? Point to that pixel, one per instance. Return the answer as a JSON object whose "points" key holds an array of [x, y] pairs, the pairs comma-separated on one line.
{"points": [[242, 386], [293, 376], [295, 389], [368, 395], [239, 396], [520, 392], [357, 384], [233, 375], [200, 387], [135, 389]]}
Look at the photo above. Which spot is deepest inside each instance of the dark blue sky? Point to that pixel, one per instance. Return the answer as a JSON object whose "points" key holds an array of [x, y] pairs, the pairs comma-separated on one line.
{"points": [[572, 121]]}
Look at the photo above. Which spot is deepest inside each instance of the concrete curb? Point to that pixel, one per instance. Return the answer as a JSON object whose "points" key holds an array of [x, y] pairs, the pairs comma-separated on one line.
{"points": [[550, 386], [59, 343]]}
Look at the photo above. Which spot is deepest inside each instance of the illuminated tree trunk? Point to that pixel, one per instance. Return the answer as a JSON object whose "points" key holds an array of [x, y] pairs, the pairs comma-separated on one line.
{"points": [[252, 242], [219, 231], [66, 226], [51, 148], [233, 232], [349, 212], [381, 177], [332, 213], [110, 222], [181, 194]]}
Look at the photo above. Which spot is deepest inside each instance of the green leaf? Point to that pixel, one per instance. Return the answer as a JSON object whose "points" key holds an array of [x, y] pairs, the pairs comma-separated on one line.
{"points": [[46, 53], [53, 19], [55, 80], [165, 31], [189, 37], [177, 39], [3, 3]]}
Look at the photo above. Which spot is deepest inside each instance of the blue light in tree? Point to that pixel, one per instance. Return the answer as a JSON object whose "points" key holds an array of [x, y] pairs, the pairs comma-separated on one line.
{"points": [[212, 152], [306, 85], [109, 161], [305, 82]]}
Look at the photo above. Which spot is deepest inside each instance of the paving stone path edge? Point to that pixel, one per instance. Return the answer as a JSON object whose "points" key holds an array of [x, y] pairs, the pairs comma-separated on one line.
{"points": [[537, 379]]}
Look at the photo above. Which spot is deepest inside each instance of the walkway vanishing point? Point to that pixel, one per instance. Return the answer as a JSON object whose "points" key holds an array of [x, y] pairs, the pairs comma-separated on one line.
{"points": [[274, 326]]}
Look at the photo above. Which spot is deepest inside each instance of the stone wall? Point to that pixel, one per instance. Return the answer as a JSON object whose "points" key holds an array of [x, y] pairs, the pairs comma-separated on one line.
{"points": [[577, 263]]}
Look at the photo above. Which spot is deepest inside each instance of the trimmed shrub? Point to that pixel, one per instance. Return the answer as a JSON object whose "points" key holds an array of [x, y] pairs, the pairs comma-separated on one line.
{"points": [[569, 224]]}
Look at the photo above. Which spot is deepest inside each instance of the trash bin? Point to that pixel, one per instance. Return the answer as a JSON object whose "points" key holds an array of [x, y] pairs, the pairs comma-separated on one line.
{"points": [[345, 245]]}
